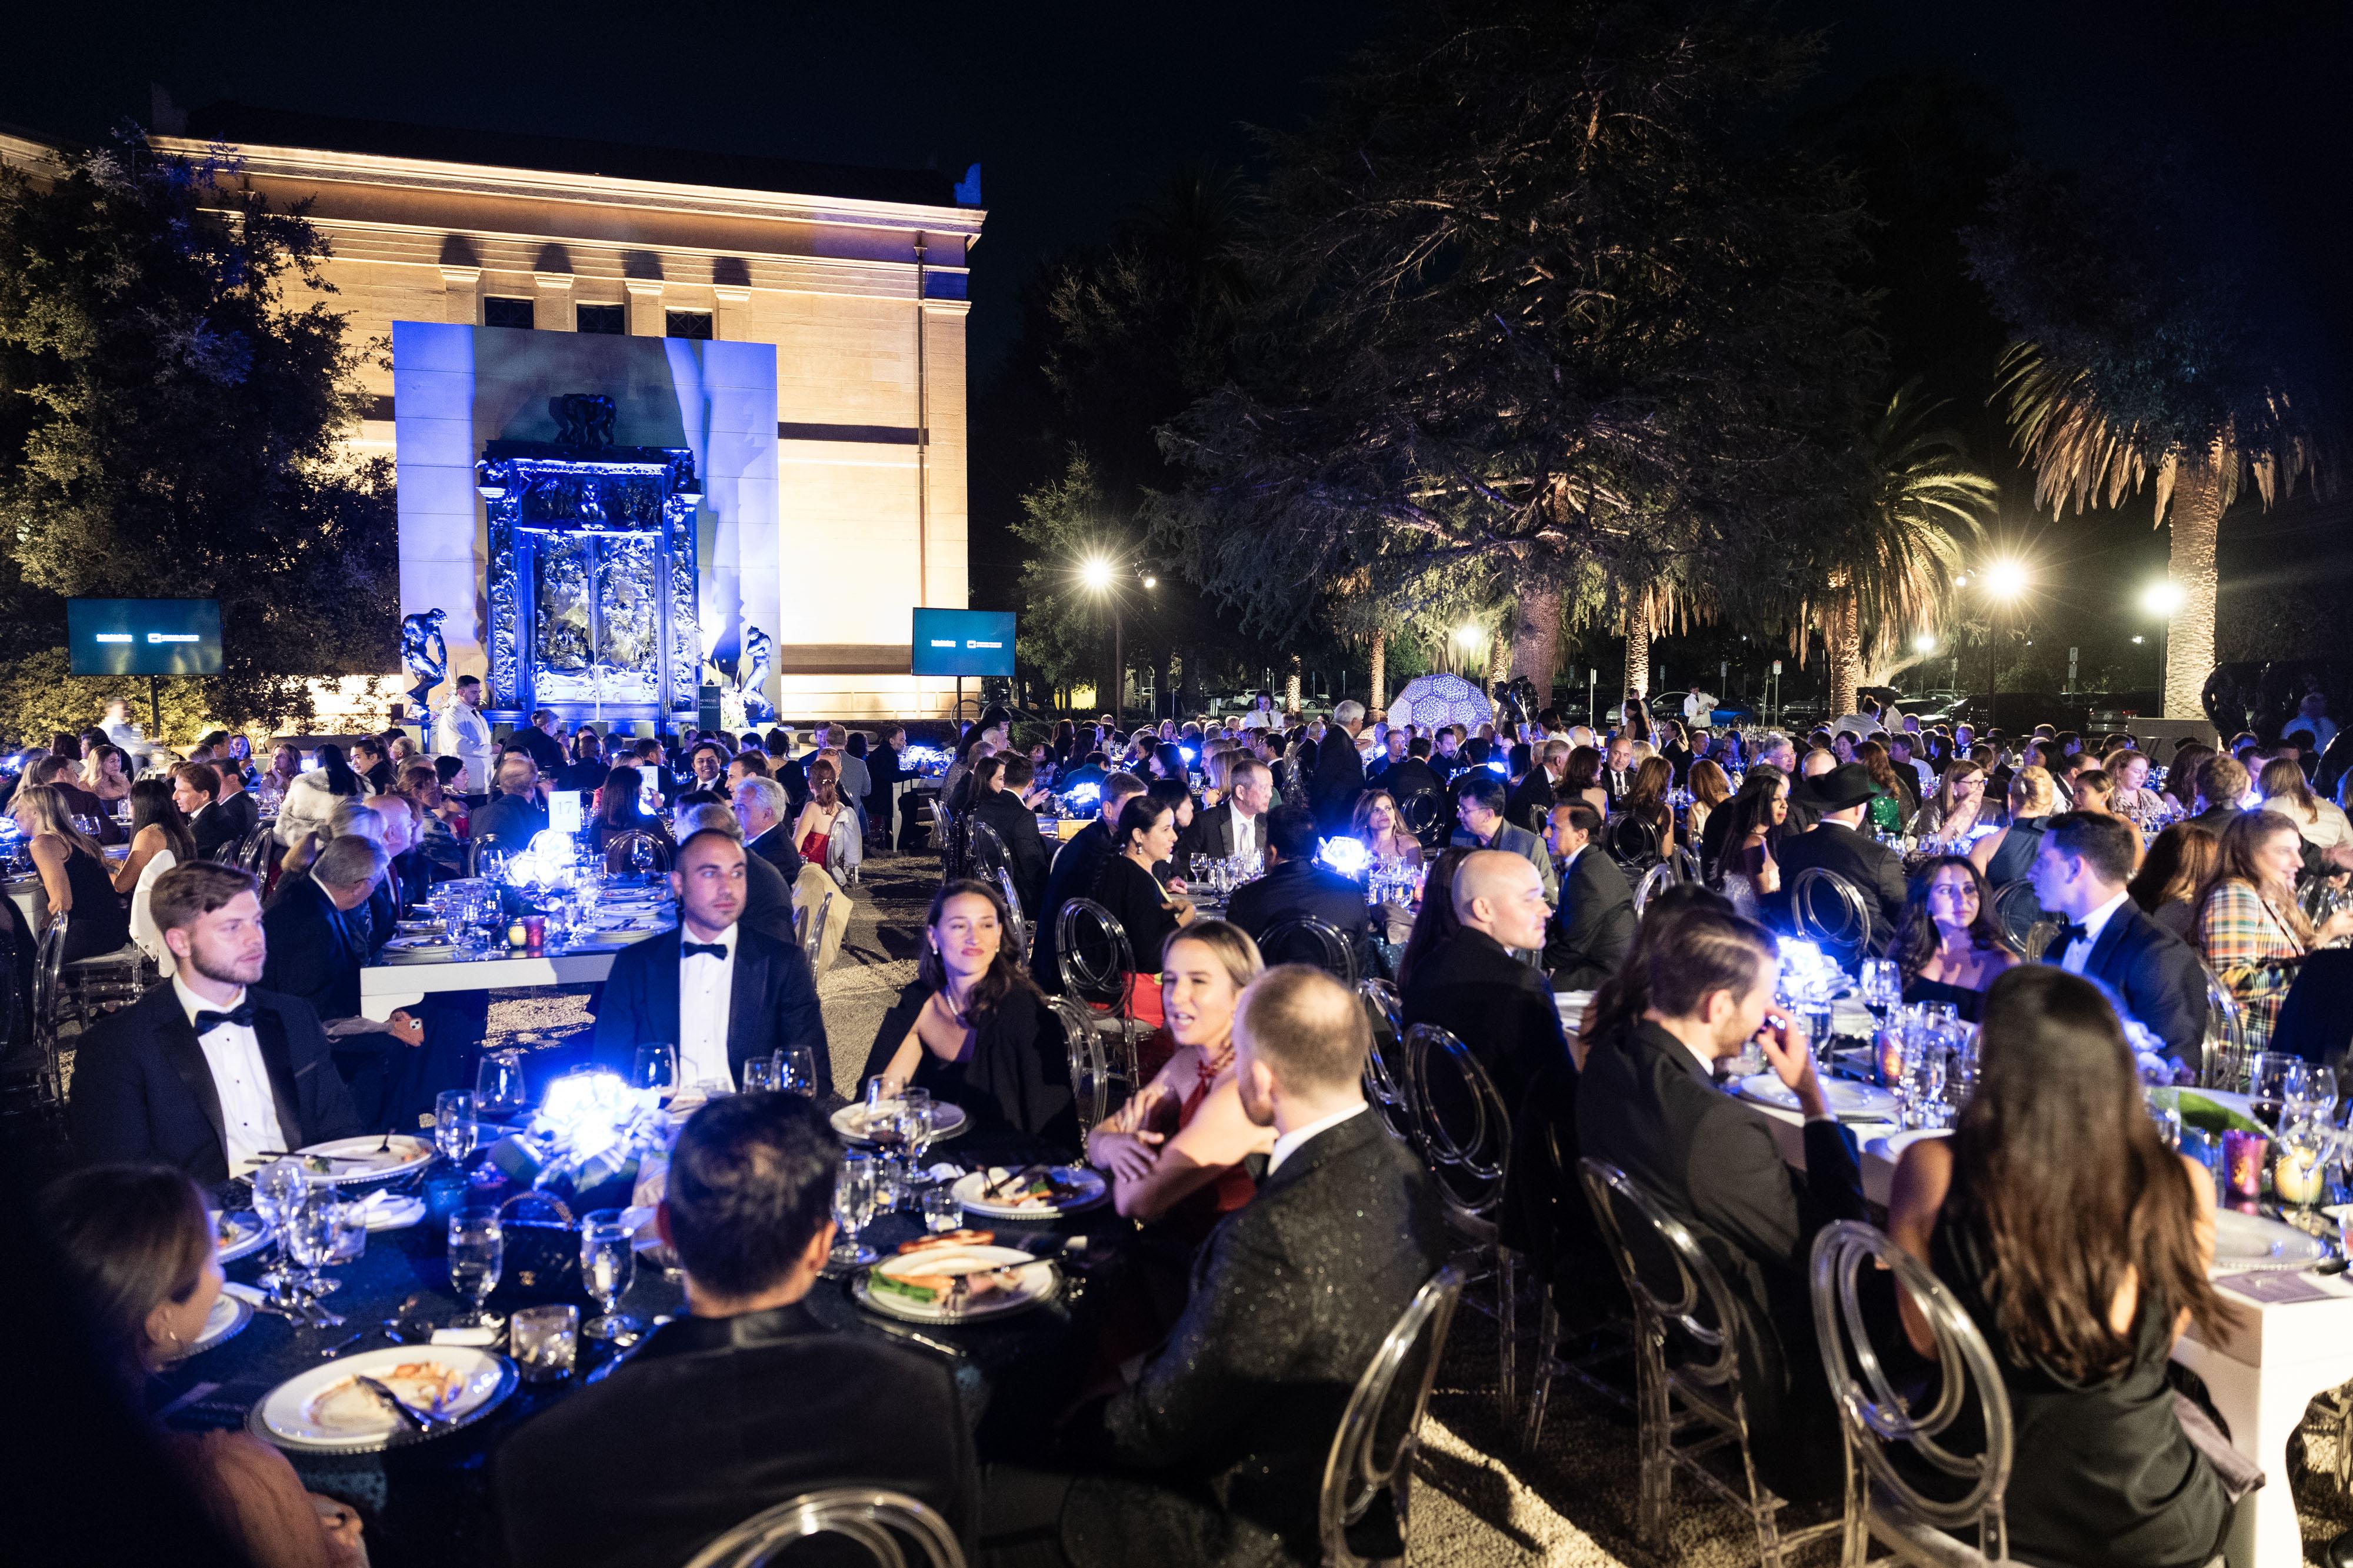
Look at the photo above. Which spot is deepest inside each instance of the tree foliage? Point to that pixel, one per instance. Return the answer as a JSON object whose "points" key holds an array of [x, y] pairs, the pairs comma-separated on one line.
{"points": [[1535, 315], [172, 401]]}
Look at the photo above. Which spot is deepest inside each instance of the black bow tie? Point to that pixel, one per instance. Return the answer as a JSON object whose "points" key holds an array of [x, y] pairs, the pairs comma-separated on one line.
{"points": [[717, 950], [241, 1015], [2071, 932]]}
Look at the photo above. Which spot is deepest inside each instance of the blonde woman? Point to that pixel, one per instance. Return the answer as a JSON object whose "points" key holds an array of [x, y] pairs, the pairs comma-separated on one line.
{"points": [[2322, 822], [2249, 927], [2007, 855], [1710, 788], [73, 874]]}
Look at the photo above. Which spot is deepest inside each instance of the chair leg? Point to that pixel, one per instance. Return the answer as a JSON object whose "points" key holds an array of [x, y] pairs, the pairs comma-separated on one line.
{"points": [[1655, 1443], [1760, 1508], [1541, 1378], [1854, 1535], [1507, 1332]]}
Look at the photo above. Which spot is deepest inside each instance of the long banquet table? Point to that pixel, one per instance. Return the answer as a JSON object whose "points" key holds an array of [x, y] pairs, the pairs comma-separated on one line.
{"points": [[2262, 1378]]}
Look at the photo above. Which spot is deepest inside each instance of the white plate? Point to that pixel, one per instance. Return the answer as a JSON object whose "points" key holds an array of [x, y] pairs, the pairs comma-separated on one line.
{"points": [[322, 1410], [225, 1321], [1891, 1148], [1849, 1101], [2246, 1242], [252, 1235], [1093, 1190], [418, 945], [406, 1154], [1039, 1281], [951, 1121]]}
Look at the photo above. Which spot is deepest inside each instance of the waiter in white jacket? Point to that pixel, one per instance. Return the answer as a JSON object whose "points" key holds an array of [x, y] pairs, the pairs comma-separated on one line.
{"points": [[462, 732]]}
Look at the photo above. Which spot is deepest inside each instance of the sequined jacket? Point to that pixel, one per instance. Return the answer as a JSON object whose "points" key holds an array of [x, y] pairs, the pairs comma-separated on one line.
{"points": [[1234, 1416]]}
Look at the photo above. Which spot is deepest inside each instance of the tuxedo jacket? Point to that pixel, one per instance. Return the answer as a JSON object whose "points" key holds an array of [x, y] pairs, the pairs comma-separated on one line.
{"points": [[1212, 833], [1233, 1417], [1500, 1007], [143, 1092], [776, 847], [224, 825], [772, 1004], [1301, 887], [2158, 976], [1337, 779], [316, 950], [1076, 867], [1588, 935], [1874, 869], [1015, 827]]}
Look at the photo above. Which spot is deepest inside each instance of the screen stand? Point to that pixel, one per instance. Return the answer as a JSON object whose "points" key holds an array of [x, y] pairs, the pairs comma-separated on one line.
{"points": [[156, 710], [959, 707]]}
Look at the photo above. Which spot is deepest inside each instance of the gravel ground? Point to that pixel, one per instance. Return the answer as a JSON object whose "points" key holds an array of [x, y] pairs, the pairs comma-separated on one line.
{"points": [[1480, 1500]]}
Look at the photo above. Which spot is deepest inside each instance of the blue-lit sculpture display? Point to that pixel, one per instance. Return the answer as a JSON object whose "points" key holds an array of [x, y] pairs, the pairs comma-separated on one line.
{"points": [[424, 654], [753, 663], [593, 604]]}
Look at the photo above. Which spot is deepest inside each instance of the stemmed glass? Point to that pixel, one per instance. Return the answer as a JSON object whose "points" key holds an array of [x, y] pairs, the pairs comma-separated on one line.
{"points": [[854, 1205], [278, 1189], [918, 1122], [310, 1238], [1881, 985], [500, 1092], [608, 1262], [455, 1131], [655, 1068], [477, 1250]]}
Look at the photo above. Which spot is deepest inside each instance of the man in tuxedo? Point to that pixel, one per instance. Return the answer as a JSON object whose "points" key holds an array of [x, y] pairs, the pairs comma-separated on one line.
{"points": [[1530, 800], [318, 942], [1836, 843], [516, 814], [1481, 825], [1216, 1450], [538, 740], [1073, 875], [764, 809], [1414, 775], [1011, 814], [721, 991], [1237, 825], [750, 1399], [1473, 986], [1617, 770], [1390, 755], [1339, 773], [1590, 934], [2079, 874], [1650, 1107], [1295, 885], [207, 1073], [196, 792]]}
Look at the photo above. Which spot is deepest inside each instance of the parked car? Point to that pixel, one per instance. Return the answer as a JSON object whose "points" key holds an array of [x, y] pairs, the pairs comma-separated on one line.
{"points": [[1669, 705]]}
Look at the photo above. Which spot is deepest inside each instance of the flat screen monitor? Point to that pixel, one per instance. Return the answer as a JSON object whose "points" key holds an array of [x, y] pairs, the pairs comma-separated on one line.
{"points": [[963, 642], [143, 637]]}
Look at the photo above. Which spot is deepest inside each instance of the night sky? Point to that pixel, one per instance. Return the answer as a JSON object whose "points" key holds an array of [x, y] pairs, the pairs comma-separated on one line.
{"points": [[1074, 112]]}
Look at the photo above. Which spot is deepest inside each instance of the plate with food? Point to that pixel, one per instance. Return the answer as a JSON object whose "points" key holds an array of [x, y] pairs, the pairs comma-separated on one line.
{"points": [[419, 927], [365, 1160], [237, 1233], [1032, 1191], [225, 1321], [954, 1278], [332, 1409], [2246, 1243], [1849, 1101], [853, 1121]]}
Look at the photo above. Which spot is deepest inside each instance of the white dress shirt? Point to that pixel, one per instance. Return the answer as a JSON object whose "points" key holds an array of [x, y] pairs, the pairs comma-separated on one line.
{"points": [[233, 1052], [2079, 951], [705, 986], [1245, 834], [1290, 1141]]}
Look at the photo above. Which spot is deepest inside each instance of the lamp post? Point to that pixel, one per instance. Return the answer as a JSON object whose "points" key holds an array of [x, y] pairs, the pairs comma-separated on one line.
{"points": [[1101, 577], [2004, 582], [2161, 599]]}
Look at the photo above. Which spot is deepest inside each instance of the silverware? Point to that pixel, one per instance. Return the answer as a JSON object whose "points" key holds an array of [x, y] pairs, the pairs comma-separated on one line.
{"points": [[341, 1345], [953, 1353], [1014, 1180], [417, 1420]]}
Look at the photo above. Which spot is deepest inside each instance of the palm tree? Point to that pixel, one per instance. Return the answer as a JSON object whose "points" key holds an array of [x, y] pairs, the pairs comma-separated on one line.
{"points": [[2084, 448], [1893, 575]]}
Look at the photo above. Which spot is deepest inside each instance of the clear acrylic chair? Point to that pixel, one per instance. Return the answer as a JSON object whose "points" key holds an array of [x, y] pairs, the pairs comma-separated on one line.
{"points": [[1826, 908], [1882, 1504], [1373, 1453], [1387, 1087], [2223, 1054], [1303, 938], [1466, 1138], [886, 1524], [1100, 1076], [1688, 1302]]}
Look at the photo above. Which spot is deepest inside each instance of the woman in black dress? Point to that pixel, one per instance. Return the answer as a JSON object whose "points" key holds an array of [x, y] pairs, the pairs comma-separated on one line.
{"points": [[2078, 1243], [974, 1031], [1145, 837], [1950, 947], [73, 873]]}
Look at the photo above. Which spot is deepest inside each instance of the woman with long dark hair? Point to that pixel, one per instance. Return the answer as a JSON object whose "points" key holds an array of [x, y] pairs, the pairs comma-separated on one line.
{"points": [[1145, 837], [1891, 807], [620, 809], [973, 1028], [1436, 921], [2173, 874], [2078, 1243], [1580, 779], [1950, 947], [1645, 828], [1746, 870], [159, 840]]}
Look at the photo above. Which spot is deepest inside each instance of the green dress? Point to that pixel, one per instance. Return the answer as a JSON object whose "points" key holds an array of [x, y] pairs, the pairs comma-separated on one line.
{"points": [[1886, 813]]}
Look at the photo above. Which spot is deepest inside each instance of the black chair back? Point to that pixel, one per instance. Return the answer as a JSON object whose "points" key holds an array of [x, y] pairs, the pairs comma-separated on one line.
{"points": [[1319, 944]]}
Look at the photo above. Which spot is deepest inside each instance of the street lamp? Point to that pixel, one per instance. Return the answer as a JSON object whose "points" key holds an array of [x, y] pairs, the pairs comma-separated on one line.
{"points": [[2004, 582], [1924, 644], [1101, 577], [2161, 599]]}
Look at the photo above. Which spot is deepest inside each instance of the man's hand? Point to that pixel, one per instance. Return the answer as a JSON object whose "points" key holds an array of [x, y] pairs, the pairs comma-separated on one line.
{"points": [[408, 1029], [1791, 1054]]}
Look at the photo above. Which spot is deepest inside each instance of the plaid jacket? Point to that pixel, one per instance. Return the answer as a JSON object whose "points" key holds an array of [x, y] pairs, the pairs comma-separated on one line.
{"points": [[2254, 950]]}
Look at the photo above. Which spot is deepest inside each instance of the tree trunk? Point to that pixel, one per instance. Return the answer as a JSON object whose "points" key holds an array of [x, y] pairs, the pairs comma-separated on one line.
{"points": [[1638, 648], [1290, 687], [1499, 662], [1381, 670], [1536, 638], [1843, 647], [2195, 516]]}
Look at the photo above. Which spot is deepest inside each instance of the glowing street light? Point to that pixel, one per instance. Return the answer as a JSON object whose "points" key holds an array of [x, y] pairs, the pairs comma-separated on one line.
{"points": [[1095, 572], [2162, 598], [2005, 579], [1924, 644], [1467, 634]]}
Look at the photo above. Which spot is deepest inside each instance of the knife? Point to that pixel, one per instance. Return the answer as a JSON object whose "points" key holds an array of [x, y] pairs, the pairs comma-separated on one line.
{"points": [[418, 1419]]}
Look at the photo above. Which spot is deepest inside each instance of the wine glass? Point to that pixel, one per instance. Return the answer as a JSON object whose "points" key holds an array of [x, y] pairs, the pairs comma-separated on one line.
{"points": [[608, 1261], [500, 1091], [2271, 1076], [278, 1189], [797, 1070], [2307, 1095], [641, 857], [310, 1238], [455, 1131], [655, 1068], [477, 1248], [854, 1205], [918, 1122], [1882, 986], [760, 1074]]}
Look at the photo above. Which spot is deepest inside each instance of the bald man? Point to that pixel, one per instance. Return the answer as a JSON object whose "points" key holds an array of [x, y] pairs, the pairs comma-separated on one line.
{"points": [[1476, 985]]}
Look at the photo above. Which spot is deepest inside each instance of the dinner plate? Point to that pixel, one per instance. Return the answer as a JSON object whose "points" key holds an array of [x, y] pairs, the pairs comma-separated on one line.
{"points": [[1891, 1148], [1037, 1281], [950, 1122], [2245, 1243], [1849, 1101], [225, 1321], [366, 1167], [1091, 1190], [245, 1236], [322, 1410], [418, 945]]}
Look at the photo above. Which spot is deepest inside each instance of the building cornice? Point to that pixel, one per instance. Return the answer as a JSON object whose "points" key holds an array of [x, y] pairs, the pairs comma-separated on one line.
{"points": [[312, 164]]}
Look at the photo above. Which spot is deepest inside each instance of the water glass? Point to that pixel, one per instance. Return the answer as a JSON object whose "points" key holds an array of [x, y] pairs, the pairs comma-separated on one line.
{"points": [[918, 1120], [544, 1340], [760, 1074], [499, 1090], [310, 1238], [607, 1265], [350, 1221], [796, 1071], [477, 1250], [455, 1131], [942, 1212], [655, 1066], [854, 1205], [278, 1191]]}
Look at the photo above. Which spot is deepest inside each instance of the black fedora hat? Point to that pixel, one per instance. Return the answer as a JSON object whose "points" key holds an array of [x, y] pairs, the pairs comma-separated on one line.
{"points": [[1842, 787]]}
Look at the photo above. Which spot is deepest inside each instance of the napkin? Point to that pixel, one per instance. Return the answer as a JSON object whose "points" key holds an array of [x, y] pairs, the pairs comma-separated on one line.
{"points": [[244, 1293], [2276, 1288], [488, 1334], [391, 1211]]}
